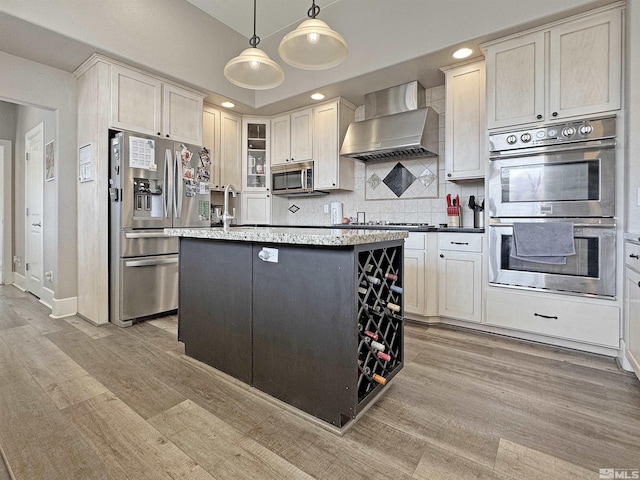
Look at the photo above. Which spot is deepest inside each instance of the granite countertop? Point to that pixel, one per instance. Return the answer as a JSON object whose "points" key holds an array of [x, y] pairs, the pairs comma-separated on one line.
{"points": [[421, 228], [332, 237]]}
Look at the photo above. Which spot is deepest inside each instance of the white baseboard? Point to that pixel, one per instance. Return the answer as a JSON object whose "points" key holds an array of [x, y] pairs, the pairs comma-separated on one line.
{"points": [[64, 307], [47, 297], [19, 281]]}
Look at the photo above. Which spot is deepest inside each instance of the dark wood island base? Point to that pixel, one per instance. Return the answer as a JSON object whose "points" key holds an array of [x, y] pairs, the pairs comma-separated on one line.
{"points": [[318, 327]]}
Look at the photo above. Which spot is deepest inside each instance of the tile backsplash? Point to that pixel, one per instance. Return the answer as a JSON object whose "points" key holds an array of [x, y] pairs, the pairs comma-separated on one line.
{"points": [[416, 210]]}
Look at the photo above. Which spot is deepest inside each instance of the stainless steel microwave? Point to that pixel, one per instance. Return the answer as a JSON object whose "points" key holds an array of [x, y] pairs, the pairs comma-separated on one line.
{"points": [[293, 179]]}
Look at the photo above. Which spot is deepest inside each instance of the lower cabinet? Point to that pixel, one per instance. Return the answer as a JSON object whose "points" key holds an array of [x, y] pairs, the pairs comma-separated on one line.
{"points": [[632, 304], [460, 276], [256, 208], [420, 274], [552, 315]]}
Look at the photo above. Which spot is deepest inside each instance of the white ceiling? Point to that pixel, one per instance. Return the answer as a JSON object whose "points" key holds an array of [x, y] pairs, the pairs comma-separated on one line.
{"points": [[271, 15], [390, 41]]}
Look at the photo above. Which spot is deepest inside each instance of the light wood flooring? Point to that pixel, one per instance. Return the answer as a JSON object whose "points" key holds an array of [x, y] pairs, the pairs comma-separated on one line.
{"points": [[80, 402]]}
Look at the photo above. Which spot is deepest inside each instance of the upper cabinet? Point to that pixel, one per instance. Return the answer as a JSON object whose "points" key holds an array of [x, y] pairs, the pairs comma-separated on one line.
{"points": [[222, 136], [292, 137], [465, 121], [145, 104], [331, 120], [255, 154], [567, 69]]}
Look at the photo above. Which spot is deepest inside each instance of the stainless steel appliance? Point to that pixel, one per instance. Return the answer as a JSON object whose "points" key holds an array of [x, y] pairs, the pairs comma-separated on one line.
{"points": [[396, 125], [562, 170], [293, 179], [153, 184], [591, 270]]}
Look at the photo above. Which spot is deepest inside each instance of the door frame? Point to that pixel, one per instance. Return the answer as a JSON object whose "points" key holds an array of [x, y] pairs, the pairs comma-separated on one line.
{"points": [[6, 215], [37, 130]]}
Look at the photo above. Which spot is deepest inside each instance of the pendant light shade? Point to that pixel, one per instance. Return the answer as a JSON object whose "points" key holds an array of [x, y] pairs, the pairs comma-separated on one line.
{"points": [[313, 45], [253, 68]]}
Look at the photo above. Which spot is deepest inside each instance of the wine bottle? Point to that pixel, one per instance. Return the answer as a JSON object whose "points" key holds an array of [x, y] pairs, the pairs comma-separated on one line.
{"points": [[395, 288], [368, 268], [379, 379], [391, 276], [362, 290], [372, 335], [393, 307], [376, 345], [373, 280], [384, 356]]}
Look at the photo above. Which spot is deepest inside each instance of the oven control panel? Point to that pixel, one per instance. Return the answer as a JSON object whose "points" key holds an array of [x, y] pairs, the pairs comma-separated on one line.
{"points": [[559, 133]]}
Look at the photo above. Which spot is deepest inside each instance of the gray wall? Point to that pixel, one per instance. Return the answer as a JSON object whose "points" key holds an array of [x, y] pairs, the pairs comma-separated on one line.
{"points": [[33, 84], [633, 116]]}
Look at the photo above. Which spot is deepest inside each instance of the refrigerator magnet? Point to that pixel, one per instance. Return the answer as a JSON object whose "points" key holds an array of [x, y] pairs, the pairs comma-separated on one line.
{"points": [[203, 174], [187, 173]]}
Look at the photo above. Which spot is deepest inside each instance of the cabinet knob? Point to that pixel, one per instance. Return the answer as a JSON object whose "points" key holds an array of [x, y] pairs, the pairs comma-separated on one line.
{"points": [[159, 133], [448, 175], [539, 117], [554, 114], [167, 135], [292, 159], [639, 284], [442, 255], [267, 196], [333, 184], [633, 255]]}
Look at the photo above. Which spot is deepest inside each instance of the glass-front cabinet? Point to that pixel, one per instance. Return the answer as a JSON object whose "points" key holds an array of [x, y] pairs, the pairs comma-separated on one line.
{"points": [[255, 154]]}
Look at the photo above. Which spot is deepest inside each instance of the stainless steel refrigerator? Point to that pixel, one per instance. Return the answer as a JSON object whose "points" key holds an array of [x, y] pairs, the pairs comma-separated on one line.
{"points": [[154, 183]]}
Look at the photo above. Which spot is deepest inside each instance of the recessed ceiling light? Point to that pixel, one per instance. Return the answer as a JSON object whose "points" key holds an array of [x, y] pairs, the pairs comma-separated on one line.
{"points": [[317, 96], [228, 104], [462, 53]]}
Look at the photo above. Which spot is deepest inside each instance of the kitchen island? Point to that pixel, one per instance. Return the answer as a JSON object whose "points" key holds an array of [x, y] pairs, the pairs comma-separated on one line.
{"points": [[312, 317]]}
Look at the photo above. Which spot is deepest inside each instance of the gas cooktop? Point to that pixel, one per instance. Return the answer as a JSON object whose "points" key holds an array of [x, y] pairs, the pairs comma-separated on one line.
{"points": [[382, 223]]}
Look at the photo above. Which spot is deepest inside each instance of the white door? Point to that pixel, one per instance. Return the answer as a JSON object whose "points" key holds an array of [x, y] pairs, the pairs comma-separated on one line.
{"points": [[34, 152]]}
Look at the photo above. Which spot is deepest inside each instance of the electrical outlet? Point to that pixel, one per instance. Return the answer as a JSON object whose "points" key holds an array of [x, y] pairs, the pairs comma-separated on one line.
{"points": [[326, 208]]}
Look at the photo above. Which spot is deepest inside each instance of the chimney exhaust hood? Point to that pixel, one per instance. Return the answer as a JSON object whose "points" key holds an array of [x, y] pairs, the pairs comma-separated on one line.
{"points": [[394, 126]]}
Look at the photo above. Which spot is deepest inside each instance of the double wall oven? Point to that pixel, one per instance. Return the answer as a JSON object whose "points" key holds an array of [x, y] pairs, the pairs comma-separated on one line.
{"points": [[556, 173]]}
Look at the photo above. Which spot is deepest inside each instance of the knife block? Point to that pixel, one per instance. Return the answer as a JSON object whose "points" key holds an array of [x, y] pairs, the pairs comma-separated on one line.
{"points": [[454, 218]]}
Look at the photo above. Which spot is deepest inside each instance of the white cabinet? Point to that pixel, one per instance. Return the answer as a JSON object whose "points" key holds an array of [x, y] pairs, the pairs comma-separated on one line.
{"points": [[567, 69], [420, 274], [221, 135], [460, 276], [632, 305], [465, 121], [255, 154], [256, 208], [331, 172], [292, 137], [569, 318], [146, 104]]}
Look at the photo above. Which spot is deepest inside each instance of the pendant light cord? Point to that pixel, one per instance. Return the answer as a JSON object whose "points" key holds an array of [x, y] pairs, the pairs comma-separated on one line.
{"points": [[255, 40], [314, 10]]}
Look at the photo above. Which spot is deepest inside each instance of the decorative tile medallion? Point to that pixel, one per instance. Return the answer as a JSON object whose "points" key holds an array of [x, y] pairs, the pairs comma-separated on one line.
{"points": [[294, 208], [410, 178]]}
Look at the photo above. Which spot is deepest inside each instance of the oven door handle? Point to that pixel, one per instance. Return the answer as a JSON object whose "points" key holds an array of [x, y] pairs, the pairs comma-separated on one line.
{"points": [[497, 223], [545, 316], [570, 147]]}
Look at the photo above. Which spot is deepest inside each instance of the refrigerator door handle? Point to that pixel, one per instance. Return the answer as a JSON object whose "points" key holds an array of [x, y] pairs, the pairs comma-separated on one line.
{"points": [[179, 185], [159, 234], [149, 263], [167, 195]]}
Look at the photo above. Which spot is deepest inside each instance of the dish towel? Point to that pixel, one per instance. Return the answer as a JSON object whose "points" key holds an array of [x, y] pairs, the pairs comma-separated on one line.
{"points": [[543, 242]]}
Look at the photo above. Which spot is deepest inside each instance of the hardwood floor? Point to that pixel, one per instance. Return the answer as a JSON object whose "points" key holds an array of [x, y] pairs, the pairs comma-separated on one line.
{"points": [[81, 402]]}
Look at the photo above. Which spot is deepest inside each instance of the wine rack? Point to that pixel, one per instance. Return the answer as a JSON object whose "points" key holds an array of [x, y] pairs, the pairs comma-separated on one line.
{"points": [[380, 321]]}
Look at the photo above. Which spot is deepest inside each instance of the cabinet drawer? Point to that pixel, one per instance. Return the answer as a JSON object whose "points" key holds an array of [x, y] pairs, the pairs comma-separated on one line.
{"points": [[632, 255], [576, 320], [416, 241], [464, 242]]}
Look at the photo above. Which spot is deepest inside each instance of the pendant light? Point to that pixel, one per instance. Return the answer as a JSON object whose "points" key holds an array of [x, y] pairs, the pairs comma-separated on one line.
{"points": [[313, 45], [253, 68]]}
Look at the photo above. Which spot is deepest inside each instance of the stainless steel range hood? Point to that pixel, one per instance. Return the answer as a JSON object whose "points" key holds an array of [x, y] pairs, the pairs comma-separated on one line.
{"points": [[394, 126]]}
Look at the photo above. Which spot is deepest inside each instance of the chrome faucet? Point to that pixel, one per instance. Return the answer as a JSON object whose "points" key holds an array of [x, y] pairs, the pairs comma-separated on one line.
{"points": [[226, 217]]}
